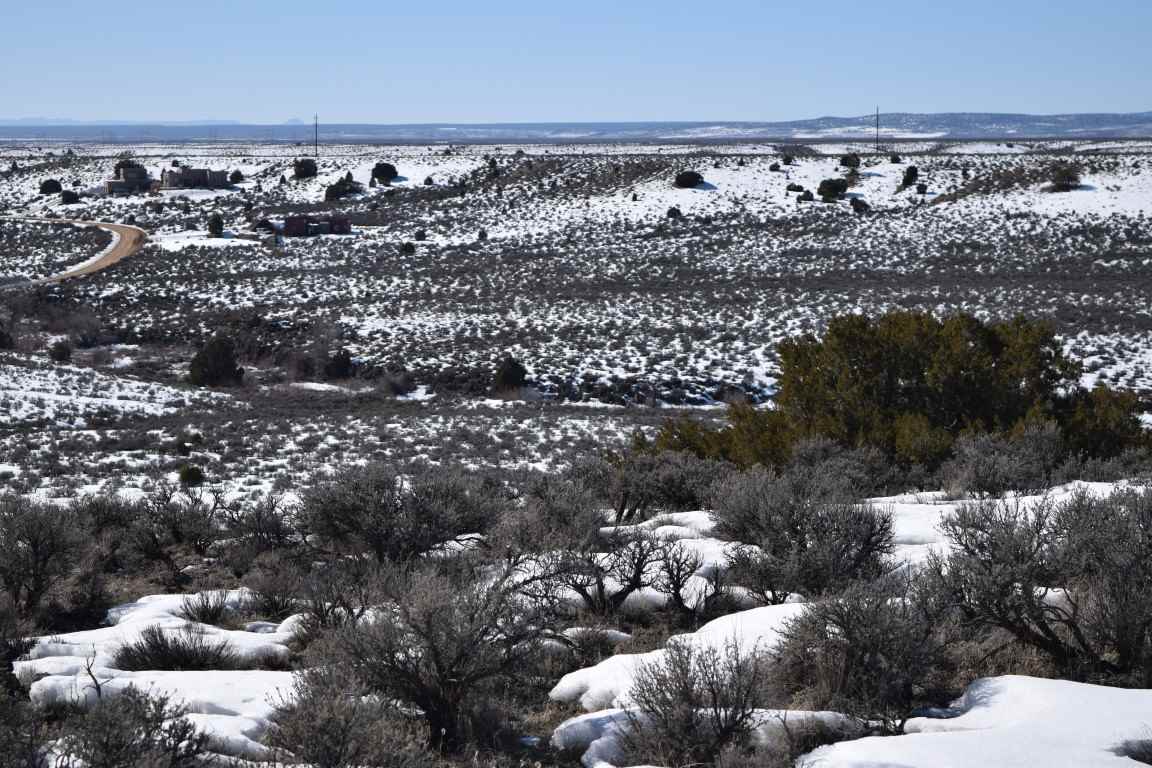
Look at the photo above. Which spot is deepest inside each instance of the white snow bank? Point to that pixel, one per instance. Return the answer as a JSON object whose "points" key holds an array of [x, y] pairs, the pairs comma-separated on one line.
{"points": [[1010, 722], [178, 241], [599, 736], [68, 654], [607, 684], [231, 706]]}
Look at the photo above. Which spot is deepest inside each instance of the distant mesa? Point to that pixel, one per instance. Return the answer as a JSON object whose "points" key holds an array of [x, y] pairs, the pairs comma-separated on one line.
{"points": [[893, 125]]}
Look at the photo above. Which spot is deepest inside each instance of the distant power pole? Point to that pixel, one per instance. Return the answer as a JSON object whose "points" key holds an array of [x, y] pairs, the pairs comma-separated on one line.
{"points": [[316, 136], [877, 129]]}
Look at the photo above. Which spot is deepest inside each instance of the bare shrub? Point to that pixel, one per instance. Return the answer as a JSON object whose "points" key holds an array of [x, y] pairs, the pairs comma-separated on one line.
{"points": [[677, 566], [262, 526], [37, 545], [605, 572], [14, 643], [749, 505], [209, 607], [559, 511], [339, 594], [132, 728], [274, 588], [329, 721], [24, 734], [441, 639], [1139, 750], [1071, 579], [803, 536], [987, 465], [185, 649], [871, 652], [395, 517], [636, 484], [172, 515], [694, 703]]}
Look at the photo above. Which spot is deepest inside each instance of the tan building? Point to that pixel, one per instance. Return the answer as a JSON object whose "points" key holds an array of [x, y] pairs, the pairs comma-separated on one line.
{"points": [[193, 178], [130, 179]]}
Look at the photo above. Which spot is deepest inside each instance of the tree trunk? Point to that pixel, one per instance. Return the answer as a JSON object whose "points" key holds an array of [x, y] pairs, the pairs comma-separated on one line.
{"points": [[443, 728]]}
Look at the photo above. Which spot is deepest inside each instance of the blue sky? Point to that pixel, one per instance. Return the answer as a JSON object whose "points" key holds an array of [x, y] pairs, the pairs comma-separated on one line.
{"points": [[595, 60]]}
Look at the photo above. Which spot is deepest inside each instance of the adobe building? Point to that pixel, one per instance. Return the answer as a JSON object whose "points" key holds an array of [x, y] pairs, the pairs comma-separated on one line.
{"points": [[130, 179], [193, 178]]}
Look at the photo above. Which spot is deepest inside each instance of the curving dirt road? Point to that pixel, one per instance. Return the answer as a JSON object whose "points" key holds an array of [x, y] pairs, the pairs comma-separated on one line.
{"points": [[129, 240]]}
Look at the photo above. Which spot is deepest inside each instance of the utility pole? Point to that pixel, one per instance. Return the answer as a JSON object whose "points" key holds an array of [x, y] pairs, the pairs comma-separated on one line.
{"points": [[316, 136], [877, 130]]}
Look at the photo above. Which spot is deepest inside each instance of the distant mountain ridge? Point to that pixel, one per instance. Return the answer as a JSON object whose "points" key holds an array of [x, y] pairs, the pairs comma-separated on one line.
{"points": [[37, 122], [893, 125]]}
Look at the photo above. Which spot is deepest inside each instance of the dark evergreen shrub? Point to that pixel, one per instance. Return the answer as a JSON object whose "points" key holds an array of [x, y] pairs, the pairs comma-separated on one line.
{"points": [[50, 187], [344, 187], [215, 364], [191, 475], [339, 365], [60, 351], [688, 179], [510, 376], [304, 168], [832, 189], [1065, 177], [911, 176], [384, 172]]}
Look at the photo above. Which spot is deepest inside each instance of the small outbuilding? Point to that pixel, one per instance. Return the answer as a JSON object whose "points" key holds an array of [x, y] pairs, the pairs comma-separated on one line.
{"points": [[308, 226]]}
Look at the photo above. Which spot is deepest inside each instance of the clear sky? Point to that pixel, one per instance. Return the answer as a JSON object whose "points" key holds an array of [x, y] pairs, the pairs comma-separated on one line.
{"points": [[593, 60]]}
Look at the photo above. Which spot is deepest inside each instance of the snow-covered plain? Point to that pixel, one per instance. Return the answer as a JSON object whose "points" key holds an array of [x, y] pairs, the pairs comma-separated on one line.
{"points": [[584, 278], [33, 392]]}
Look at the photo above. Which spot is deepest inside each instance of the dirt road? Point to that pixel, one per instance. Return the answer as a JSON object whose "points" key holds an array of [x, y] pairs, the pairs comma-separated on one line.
{"points": [[129, 240]]}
